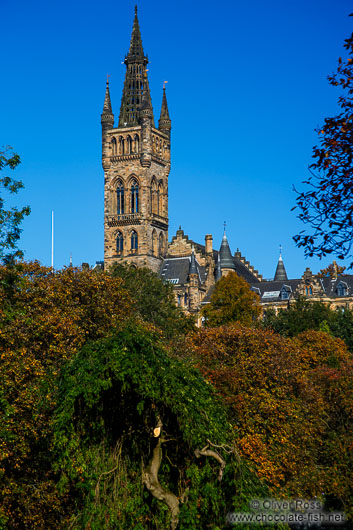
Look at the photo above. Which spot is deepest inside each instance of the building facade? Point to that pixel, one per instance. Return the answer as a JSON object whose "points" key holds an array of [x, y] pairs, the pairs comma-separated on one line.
{"points": [[136, 164]]}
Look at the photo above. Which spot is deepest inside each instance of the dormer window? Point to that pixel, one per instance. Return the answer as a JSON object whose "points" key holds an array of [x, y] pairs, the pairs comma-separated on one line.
{"points": [[342, 289], [285, 292]]}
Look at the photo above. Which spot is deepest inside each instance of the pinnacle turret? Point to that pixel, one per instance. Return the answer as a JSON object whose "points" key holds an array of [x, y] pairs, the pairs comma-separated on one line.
{"points": [[136, 90], [107, 107], [281, 274], [107, 116], [164, 123]]}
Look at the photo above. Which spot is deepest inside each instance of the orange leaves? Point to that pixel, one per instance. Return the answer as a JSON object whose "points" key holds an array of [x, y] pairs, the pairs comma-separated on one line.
{"points": [[290, 400]]}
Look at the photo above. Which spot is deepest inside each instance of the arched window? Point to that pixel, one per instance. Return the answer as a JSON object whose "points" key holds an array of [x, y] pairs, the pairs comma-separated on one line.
{"points": [[121, 146], [128, 145], [137, 143], [154, 201], [160, 246], [120, 242], [114, 146], [134, 197], [341, 289], [154, 243], [134, 241], [160, 199], [120, 198], [185, 300]]}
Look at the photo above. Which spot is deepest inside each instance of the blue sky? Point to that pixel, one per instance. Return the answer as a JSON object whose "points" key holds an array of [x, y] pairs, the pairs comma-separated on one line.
{"points": [[246, 88]]}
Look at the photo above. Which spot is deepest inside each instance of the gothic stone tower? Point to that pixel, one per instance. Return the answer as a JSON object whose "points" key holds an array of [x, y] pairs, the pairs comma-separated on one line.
{"points": [[136, 163]]}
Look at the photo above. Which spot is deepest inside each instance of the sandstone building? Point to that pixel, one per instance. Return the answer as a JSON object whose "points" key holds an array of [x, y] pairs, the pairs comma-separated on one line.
{"points": [[136, 164]]}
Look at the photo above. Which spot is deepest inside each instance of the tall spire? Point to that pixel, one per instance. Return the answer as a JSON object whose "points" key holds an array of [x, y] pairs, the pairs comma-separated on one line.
{"points": [[136, 86], [164, 123], [280, 275]]}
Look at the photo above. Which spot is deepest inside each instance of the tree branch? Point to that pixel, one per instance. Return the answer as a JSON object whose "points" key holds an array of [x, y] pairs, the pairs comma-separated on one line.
{"points": [[150, 480], [214, 454]]}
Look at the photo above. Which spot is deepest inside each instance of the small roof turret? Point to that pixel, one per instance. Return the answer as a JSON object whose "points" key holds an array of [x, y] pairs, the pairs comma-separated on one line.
{"points": [[193, 264], [226, 258], [280, 275]]}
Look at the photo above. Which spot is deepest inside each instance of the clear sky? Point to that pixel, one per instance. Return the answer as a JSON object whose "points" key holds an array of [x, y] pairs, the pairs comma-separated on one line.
{"points": [[247, 86]]}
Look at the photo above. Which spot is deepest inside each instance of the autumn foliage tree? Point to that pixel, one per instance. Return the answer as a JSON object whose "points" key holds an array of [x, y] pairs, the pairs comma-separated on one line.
{"points": [[45, 318], [327, 205], [231, 301], [289, 401]]}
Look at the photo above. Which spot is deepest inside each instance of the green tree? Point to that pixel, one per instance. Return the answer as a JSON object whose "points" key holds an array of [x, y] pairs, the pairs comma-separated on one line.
{"points": [[231, 301], [141, 440], [304, 315], [301, 315], [11, 218], [153, 299], [327, 205]]}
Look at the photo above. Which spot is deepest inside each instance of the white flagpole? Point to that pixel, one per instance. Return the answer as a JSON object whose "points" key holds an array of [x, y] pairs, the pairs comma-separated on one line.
{"points": [[52, 239]]}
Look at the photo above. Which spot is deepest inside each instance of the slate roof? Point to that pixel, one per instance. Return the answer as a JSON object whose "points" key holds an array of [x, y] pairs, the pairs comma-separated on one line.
{"points": [[330, 286], [270, 291], [244, 272], [176, 270]]}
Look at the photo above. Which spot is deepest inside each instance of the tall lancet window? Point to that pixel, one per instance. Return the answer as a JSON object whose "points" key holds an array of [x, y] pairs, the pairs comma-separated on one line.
{"points": [[134, 241], [120, 198], [114, 146], [134, 197], [120, 243], [160, 199]]}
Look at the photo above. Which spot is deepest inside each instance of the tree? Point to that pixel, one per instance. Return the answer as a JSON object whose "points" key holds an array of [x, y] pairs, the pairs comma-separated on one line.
{"points": [[141, 441], [327, 206], [153, 299], [301, 315], [45, 319], [231, 301], [304, 315], [290, 401], [10, 219], [331, 271]]}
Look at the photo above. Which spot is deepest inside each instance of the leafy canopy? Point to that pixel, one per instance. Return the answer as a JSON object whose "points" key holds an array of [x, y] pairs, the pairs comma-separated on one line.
{"points": [[115, 392], [10, 219], [291, 401], [153, 299], [304, 315], [231, 301], [327, 206]]}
